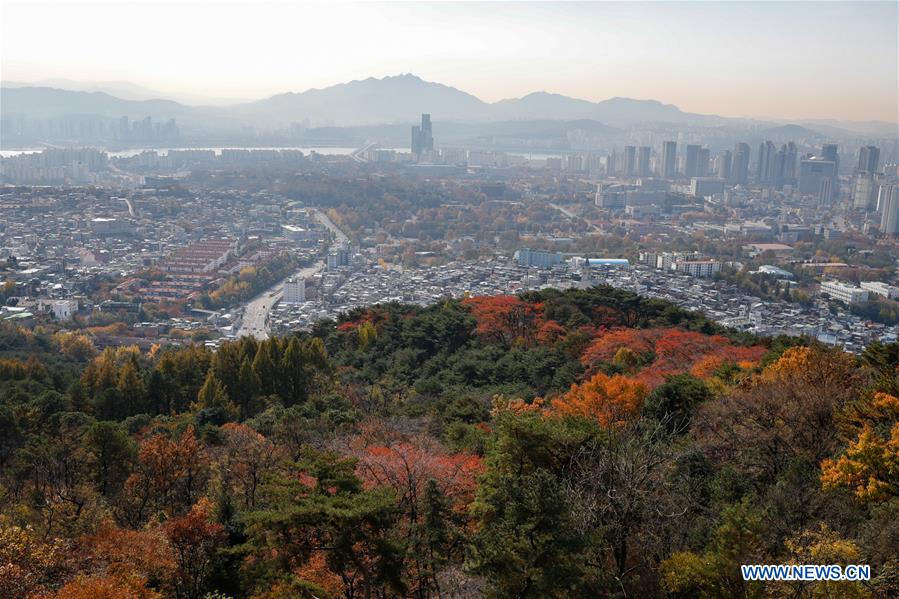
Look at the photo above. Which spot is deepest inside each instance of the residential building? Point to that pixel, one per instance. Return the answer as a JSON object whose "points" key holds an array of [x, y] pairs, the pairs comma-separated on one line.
{"points": [[537, 258], [294, 290]]}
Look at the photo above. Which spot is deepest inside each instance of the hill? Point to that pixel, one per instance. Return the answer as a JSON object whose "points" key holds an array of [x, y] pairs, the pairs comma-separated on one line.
{"points": [[405, 450], [397, 99]]}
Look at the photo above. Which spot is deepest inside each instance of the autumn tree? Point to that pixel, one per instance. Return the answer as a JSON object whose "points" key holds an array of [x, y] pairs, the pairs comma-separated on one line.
{"points": [[245, 458], [604, 398], [870, 464], [169, 476], [323, 510], [194, 539]]}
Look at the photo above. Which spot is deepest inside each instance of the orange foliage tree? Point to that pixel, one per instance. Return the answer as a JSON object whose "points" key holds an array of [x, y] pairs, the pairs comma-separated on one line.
{"points": [[195, 539], [608, 399], [170, 476]]}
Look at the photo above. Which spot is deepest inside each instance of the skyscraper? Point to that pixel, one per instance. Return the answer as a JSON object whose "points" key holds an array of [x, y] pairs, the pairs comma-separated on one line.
{"points": [[702, 163], [868, 159], [668, 165], [422, 136], [723, 164], [864, 190], [791, 154], [691, 161], [829, 152], [643, 167], [765, 167], [813, 172], [416, 140], [889, 207], [629, 168], [740, 165]]}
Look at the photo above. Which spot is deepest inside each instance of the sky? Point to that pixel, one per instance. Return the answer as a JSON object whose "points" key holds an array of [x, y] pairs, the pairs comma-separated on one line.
{"points": [[788, 60]]}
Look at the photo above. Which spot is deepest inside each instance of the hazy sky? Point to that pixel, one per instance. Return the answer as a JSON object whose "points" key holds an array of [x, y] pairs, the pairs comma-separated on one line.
{"points": [[778, 59]]}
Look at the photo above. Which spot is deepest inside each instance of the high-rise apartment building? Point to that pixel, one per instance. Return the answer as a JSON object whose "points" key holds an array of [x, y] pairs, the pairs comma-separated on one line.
{"points": [[816, 177]]}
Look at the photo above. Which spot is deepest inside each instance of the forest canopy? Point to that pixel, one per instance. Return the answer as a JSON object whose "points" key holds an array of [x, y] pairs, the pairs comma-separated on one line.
{"points": [[575, 443]]}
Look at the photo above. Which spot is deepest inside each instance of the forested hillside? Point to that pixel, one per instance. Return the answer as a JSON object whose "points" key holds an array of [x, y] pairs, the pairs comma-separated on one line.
{"points": [[586, 443]]}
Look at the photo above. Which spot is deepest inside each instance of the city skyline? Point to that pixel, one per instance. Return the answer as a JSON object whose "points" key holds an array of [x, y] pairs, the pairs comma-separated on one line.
{"points": [[494, 51]]}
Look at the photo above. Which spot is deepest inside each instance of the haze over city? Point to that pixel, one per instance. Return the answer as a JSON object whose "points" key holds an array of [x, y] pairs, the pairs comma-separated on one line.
{"points": [[787, 60], [459, 300]]}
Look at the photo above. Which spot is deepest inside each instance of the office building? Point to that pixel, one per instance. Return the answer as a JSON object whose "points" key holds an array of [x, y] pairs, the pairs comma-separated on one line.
{"points": [[888, 202], [668, 164], [740, 164], [864, 190], [691, 161], [338, 258], [868, 159], [723, 164], [791, 156], [643, 164], [814, 170], [629, 168], [765, 168], [294, 290], [422, 136], [705, 186], [702, 162]]}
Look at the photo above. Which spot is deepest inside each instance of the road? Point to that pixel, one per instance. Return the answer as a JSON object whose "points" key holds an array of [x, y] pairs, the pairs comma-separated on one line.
{"points": [[359, 153], [255, 316], [573, 216], [326, 222]]}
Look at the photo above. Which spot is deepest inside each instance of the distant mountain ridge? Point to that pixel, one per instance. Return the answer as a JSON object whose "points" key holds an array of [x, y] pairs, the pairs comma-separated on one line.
{"points": [[366, 102]]}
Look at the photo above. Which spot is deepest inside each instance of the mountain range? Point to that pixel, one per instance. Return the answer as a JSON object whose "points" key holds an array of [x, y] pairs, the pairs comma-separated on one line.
{"points": [[368, 102]]}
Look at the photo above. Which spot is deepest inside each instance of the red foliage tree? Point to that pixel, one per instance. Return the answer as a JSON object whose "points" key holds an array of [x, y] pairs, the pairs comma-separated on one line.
{"points": [[504, 318]]}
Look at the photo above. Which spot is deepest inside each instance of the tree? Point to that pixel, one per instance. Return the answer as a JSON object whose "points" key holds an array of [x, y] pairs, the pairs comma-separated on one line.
{"points": [[104, 587], [195, 540], [674, 401], [246, 458], [212, 400], [113, 452], [786, 415], [604, 398], [618, 487], [821, 546], [528, 542], [870, 466], [322, 509], [169, 476], [716, 573]]}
